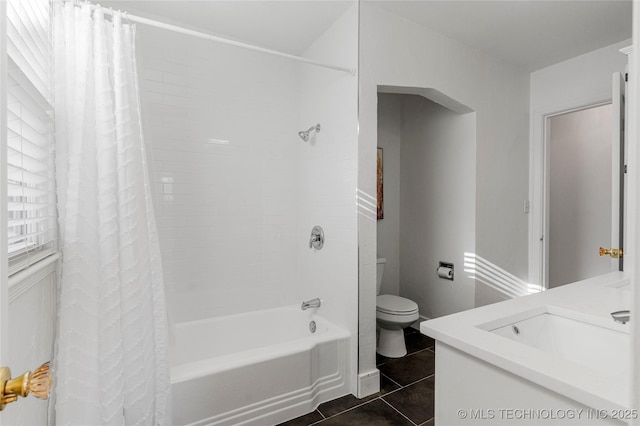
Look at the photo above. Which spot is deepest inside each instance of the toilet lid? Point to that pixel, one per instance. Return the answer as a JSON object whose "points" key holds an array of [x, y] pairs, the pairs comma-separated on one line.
{"points": [[389, 303]]}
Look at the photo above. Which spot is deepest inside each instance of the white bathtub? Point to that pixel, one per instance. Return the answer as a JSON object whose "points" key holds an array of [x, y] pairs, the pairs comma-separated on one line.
{"points": [[258, 368]]}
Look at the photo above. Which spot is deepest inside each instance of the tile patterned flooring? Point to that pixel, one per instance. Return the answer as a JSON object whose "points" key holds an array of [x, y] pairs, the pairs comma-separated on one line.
{"points": [[405, 397]]}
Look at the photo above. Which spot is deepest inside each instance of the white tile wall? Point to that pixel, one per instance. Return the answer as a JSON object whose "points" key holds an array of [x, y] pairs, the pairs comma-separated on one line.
{"points": [[226, 212], [234, 219]]}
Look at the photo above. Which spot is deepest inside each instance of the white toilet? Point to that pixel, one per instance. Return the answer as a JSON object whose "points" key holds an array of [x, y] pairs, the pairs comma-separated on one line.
{"points": [[393, 315]]}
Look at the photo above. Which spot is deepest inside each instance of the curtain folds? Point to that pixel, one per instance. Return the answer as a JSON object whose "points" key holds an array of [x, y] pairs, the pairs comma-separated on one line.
{"points": [[111, 362]]}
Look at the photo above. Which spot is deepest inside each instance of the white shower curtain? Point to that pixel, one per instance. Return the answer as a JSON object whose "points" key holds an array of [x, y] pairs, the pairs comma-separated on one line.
{"points": [[111, 363]]}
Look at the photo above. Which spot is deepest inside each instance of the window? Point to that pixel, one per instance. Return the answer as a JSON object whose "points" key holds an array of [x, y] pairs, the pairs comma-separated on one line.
{"points": [[31, 189]]}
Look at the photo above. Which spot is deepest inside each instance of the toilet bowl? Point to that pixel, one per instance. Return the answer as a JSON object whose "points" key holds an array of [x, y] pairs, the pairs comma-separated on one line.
{"points": [[393, 315]]}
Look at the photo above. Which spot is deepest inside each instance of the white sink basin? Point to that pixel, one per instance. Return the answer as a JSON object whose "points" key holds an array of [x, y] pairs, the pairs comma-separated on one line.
{"points": [[588, 341]]}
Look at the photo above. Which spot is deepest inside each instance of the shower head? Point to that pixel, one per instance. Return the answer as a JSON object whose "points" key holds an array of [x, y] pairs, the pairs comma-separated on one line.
{"points": [[304, 135]]}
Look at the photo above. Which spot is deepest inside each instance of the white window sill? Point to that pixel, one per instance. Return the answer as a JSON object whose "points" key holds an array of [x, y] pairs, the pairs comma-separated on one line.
{"points": [[23, 281]]}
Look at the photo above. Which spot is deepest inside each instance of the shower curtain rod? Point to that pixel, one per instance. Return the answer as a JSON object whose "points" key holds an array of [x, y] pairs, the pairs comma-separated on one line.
{"points": [[222, 40]]}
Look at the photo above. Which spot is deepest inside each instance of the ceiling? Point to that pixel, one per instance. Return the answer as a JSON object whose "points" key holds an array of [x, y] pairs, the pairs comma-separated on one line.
{"points": [[531, 34]]}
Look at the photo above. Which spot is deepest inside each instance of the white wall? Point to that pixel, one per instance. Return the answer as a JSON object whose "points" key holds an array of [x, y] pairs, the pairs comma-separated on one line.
{"points": [[397, 52], [429, 201], [326, 178], [437, 205], [578, 82], [32, 313], [579, 194], [388, 229]]}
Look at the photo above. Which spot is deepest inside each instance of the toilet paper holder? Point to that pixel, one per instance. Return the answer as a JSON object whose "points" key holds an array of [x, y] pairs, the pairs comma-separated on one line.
{"points": [[445, 270]]}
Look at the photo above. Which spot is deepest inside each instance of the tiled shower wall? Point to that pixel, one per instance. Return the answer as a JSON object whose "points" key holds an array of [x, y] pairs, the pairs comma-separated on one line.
{"points": [[236, 190], [220, 123]]}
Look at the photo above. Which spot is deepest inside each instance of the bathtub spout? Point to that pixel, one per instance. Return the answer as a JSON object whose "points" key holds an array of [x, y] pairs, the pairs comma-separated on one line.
{"points": [[621, 317], [313, 303]]}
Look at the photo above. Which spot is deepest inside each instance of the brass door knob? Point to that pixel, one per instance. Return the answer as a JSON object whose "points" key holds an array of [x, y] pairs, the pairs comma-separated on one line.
{"points": [[614, 253], [37, 383]]}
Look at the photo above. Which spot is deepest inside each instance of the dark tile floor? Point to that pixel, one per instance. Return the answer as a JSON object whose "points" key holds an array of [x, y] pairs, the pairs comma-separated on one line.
{"points": [[405, 397]]}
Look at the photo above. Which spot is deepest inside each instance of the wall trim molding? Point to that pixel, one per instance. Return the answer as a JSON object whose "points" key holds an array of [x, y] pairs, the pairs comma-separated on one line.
{"points": [[24, 280]]}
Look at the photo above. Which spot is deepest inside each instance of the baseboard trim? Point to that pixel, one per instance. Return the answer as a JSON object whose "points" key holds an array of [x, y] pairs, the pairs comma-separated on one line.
{"points": [[368, 383]]}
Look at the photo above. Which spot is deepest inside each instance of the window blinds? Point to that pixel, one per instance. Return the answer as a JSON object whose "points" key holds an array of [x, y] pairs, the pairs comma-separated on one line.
{"points": [[30, 192]]}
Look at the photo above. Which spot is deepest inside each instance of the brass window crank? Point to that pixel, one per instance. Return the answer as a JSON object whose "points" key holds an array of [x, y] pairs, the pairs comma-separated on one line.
{"points": [[37, 383]]}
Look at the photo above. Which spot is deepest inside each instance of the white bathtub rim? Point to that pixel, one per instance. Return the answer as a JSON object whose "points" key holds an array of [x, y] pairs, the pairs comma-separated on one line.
{"points": [[313, 313]]}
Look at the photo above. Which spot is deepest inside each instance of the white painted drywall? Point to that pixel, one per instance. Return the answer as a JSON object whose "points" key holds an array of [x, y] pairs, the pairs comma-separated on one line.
{"points": [[429, 200], [578, 82], [388, 229], [326, 176], [398, 52], [31, 340], [437, 205], [579, 194]]}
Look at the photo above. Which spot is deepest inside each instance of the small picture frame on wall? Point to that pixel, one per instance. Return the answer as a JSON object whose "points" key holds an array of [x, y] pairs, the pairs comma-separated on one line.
{"points": [[380, 186]]}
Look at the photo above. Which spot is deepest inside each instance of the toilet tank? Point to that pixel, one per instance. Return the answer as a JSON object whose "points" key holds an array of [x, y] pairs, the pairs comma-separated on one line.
{"points": [[379, 271]]}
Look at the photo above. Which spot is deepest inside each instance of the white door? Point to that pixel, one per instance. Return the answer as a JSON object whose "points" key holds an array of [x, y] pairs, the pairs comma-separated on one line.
{"points": [[617, 170]]}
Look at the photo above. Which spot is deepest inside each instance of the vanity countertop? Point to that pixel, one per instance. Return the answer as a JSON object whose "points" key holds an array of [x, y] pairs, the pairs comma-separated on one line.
{"points": [[591, 300]]}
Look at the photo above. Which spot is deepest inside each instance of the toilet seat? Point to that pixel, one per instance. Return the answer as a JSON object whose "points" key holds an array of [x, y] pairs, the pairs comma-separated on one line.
{"points": [[395, 305]]}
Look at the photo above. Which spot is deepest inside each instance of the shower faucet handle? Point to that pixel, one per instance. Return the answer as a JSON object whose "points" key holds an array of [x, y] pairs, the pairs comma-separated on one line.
{"points": [[316, 240]]}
